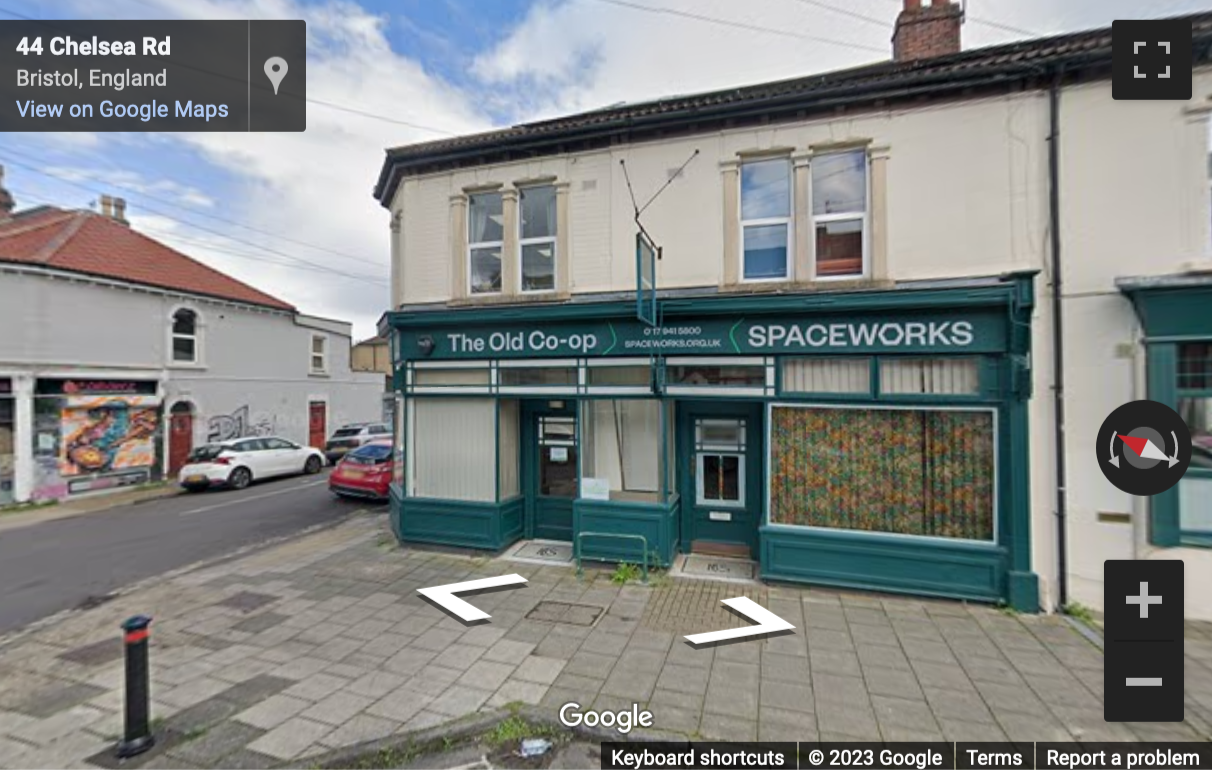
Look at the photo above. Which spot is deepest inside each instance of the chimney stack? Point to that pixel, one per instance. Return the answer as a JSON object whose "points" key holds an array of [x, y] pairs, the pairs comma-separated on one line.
{"points": [[6, 199], [120, 211], [107, 206], [925, 32]]}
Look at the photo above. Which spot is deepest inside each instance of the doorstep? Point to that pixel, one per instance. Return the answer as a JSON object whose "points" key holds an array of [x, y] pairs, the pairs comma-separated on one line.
{"points": [[546, 552], [719, 568]]}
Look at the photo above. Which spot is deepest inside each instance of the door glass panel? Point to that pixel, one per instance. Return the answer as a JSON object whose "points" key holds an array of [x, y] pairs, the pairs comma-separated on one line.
{"points": [[557, 456], [721, 478]]}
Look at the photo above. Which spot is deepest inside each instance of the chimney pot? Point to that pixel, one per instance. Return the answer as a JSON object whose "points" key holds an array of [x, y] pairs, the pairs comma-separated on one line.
{"points": [[120, 210], [107, 206]]}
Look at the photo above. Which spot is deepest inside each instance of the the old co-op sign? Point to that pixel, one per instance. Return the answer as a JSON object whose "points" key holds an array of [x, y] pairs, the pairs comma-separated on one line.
{"points": [[950, 332]]}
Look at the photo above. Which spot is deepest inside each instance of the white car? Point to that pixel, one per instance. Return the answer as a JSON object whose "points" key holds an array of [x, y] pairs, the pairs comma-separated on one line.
{"points": [[239, 462]]}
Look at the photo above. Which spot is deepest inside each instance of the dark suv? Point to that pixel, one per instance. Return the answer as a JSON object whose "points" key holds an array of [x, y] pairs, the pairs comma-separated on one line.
{"points": [[352, 436]]}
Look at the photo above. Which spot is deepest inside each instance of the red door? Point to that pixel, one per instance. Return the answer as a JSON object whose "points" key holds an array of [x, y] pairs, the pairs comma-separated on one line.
{"points": [[317, 419], [180, 435]]}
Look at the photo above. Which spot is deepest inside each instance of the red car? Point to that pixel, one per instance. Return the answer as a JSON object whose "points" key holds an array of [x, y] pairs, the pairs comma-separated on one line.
{"points": [[363, 472]]}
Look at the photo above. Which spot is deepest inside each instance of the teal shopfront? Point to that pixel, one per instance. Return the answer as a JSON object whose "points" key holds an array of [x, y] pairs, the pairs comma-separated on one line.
{"points": [[871, 439]]}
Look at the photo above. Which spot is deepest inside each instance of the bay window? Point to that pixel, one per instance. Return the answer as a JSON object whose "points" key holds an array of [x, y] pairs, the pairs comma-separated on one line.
{"points": [[766, 220], [839, 213]]}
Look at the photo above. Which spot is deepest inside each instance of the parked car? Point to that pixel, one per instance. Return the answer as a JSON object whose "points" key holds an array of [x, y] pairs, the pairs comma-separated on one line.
{"points": [[352, 436], [239, 462], [363, 472]]}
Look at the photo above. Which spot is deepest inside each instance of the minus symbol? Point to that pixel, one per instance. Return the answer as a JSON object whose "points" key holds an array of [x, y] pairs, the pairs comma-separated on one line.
{"points": [[1144, 681]]}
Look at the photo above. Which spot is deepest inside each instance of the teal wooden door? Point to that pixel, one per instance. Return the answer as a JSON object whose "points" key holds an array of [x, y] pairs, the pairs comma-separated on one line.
{"points": [[720, 456], [550, 468]]}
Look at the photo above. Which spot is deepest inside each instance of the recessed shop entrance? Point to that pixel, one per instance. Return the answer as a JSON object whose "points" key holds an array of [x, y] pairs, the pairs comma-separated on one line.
{"points": [[549, 467], [720, 457]]}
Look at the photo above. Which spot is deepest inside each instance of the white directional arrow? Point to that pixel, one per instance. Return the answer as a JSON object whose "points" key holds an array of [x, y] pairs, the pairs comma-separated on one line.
{"points": [[444, 596], [767, 622]]}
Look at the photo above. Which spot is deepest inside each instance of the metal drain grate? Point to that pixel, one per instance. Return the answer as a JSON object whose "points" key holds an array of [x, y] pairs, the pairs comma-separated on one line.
{"points": [[568, 614]]}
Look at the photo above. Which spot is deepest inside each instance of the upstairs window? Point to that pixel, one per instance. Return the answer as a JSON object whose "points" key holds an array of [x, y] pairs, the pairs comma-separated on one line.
{"points": [[485, 239], [839, 213], [537, 207], [319, 354], [185, 337], [766, 220]]}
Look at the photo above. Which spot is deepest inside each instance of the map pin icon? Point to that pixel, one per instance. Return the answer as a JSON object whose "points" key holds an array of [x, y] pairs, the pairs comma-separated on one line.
{"points": [[275, 70]]}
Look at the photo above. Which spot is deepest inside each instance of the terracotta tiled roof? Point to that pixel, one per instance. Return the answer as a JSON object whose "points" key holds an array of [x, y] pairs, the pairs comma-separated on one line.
{"points": [[92, 244], [793, 97]]}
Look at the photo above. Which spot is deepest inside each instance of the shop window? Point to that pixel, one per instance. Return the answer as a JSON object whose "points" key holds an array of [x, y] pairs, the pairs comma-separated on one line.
{"points": [[719, 462], [185, 337], [727, 376], [537, 376], [926, 472], [826, 375], [397, 443], [619, 376], [930, 376], [1195, 407], [453, 446], [509, 441], [621, 447], [485, 241], [319, 354], [766, 220], [839, 213], [537, 207], [452, 377], [557, 456]]}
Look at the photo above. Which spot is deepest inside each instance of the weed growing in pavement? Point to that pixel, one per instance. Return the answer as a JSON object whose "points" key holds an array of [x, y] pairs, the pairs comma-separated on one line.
{"points": [[196, 732], [1080, 612], [515, 728], [625, 573], [1006, 609]]}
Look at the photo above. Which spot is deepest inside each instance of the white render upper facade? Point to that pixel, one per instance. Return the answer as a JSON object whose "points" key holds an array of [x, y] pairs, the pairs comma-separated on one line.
{"points": [[956, 189], [246, 370]]}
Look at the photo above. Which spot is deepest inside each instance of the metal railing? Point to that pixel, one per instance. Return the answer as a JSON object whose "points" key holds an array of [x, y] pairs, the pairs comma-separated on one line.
{"points": [[576, 548]]}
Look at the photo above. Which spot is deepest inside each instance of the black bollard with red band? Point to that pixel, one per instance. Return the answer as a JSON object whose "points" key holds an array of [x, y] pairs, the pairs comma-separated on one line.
{"points": [[138, 737]]}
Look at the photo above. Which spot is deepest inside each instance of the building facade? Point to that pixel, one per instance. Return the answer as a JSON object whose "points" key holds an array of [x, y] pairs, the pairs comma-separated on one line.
{"points": [[120, 355], [893, 306]]}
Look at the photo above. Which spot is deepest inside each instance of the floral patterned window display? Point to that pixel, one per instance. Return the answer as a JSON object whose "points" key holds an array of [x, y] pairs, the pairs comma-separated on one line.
{"points": [[902, 471]]}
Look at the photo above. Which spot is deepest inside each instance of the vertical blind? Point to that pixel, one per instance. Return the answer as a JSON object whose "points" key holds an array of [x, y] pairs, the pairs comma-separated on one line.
{"points": [[903, 471]]}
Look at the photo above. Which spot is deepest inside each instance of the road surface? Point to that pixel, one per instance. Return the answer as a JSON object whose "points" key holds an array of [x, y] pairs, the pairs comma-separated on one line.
{"points": [[61, 564]]}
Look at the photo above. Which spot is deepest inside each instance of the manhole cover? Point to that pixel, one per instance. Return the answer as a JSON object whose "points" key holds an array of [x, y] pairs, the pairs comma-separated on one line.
{"points": [[95, 654], [247, 600], [569, 614]]}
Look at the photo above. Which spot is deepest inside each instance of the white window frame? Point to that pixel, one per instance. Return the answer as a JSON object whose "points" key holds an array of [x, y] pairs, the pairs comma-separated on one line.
{"points": [[788, 220], [550, 239], [173, 336], [700, 499], [323, 354], [499, 245], [848, 216]]}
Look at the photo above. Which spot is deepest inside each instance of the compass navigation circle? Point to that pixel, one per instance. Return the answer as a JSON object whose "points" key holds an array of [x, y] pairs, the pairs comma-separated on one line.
{"points": [[1143, 448]]}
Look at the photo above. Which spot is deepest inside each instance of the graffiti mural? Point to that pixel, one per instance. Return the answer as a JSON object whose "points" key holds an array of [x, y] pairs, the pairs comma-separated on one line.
{"points": [[224, 427], [105, 434]]}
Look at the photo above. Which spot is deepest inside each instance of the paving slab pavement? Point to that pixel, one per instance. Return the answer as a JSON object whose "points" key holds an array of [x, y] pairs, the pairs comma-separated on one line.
{"points": [[323, 642]]}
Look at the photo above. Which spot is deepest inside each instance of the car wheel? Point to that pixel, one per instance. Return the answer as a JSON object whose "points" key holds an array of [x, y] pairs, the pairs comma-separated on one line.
{"points": [[240, 478], [312, 465]]}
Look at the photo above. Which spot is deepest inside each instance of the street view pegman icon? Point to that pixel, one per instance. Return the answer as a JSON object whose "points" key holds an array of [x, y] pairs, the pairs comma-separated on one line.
{"points": [[1144, 447], [1151, 59], [275, 70]]}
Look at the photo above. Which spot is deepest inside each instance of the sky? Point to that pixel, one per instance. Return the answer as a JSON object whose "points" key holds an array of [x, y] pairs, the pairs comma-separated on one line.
{"points": [[293, 213]]}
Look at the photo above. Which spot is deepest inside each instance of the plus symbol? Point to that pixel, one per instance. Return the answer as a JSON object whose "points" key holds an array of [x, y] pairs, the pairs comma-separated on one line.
{"points": [[1144, 600]]}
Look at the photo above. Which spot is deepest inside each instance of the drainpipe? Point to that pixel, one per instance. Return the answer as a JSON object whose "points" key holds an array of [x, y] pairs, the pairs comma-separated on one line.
{"points": [[1058, 339]]}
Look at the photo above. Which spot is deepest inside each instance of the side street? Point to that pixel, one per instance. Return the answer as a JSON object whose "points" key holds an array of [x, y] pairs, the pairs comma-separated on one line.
{"points": [[322, 643]]}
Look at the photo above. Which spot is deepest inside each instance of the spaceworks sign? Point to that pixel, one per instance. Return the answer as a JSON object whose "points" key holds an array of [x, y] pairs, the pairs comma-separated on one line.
{"points": [[924, 333]]}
